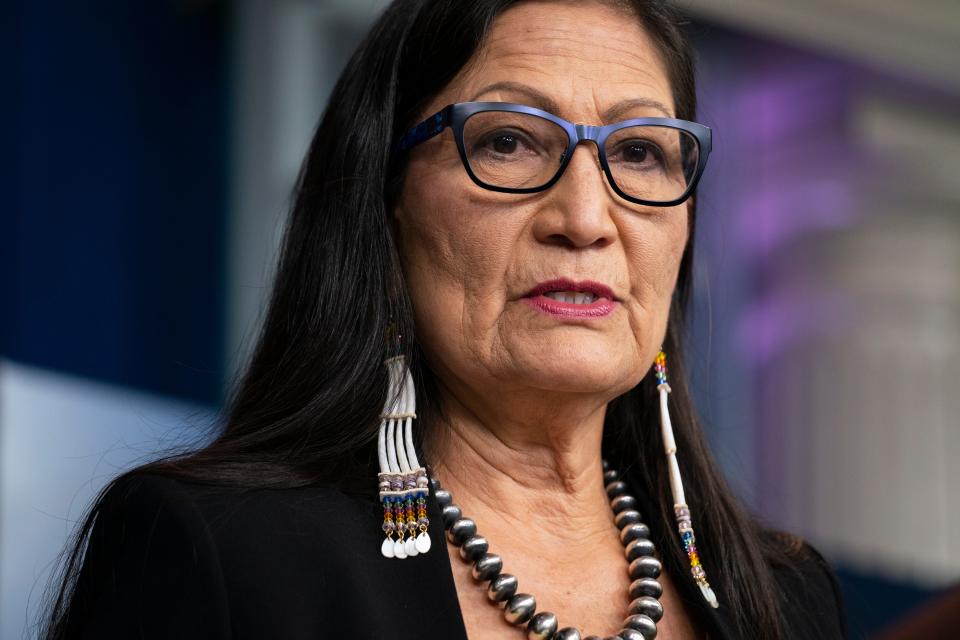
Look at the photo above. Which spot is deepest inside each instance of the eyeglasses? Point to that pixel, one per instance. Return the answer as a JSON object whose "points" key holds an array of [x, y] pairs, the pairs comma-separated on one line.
{"points": [[513, 148]]}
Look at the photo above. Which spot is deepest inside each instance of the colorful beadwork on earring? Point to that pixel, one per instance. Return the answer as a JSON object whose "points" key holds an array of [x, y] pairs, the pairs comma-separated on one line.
{"points": [[403, 483], [680, 508]]}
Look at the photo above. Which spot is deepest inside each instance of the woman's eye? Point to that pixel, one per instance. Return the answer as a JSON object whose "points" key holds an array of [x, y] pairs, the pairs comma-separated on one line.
{"points": [[639, 152], [635, 153], [504, 144]]}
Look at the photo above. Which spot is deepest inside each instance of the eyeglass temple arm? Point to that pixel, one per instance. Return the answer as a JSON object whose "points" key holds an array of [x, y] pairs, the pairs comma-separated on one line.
{"points": [[425, 130]]}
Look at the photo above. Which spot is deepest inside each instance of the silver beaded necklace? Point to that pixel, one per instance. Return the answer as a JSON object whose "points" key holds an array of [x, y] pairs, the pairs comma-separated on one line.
{"points": [[404, 488], [519, 609]]}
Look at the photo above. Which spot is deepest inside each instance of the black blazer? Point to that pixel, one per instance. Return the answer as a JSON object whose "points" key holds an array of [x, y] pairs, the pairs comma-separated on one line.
{"points": [[173, 559]]}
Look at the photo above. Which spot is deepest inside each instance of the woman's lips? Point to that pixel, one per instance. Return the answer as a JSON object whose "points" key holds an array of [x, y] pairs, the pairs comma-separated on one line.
{"points": [[595, 299], [598, 308]]}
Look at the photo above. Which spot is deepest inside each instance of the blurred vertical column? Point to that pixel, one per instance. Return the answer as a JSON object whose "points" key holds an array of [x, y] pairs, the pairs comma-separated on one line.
{"points": [[287, 56], [881, 431], [838, 129]]}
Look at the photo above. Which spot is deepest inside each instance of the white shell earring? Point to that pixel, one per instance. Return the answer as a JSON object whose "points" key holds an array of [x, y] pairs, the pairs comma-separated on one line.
{"points": [[402, 481]]}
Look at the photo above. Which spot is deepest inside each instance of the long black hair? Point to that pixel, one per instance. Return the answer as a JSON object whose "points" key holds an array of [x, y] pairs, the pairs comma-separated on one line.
{"points": [[305, 410]]}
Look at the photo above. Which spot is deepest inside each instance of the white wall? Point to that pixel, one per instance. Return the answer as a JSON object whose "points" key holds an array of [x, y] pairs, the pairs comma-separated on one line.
{"points": [[61, 439]]}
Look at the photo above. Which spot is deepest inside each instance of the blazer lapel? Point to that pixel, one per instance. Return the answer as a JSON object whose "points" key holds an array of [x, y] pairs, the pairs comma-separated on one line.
{"points": [[431, 580]]}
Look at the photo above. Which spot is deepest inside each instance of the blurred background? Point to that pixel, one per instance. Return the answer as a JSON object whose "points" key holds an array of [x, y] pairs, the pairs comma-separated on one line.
{"points": [[154, 146]]}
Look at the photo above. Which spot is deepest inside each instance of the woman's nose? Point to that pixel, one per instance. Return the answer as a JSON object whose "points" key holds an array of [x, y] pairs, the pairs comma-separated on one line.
{"points": [[576, 211]]}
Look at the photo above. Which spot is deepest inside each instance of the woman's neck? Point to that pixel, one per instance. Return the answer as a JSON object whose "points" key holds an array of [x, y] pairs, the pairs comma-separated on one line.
{"points": [[532, 471]]}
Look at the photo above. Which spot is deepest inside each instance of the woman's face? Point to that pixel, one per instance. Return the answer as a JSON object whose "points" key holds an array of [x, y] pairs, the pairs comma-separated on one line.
{"points": [[471, 256]]}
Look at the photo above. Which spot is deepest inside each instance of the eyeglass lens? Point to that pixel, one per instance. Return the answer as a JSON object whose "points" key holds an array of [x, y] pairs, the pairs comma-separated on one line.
{"points": [[524, 151]]}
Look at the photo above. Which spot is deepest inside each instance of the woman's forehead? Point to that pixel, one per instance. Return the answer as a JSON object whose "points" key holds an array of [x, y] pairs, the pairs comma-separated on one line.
{"points": [[583, 61]]}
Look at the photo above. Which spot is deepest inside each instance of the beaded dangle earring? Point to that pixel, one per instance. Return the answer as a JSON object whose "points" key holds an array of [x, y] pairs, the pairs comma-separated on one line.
{"points": [[402, 481], [680, 508]]}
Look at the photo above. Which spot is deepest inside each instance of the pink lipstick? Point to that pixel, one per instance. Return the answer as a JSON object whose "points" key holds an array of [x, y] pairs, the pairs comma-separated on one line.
{"points": [[568, 298]]}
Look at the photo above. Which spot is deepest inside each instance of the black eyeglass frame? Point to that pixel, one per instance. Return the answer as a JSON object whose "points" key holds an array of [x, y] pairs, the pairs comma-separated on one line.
{"points": [[455, 116]]}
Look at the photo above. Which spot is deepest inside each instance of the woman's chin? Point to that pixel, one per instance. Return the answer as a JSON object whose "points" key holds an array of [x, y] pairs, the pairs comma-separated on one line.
{"points": [[600, 373]]}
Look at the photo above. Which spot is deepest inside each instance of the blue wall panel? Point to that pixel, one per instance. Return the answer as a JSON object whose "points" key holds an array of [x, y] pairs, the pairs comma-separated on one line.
{"points": [[114, 238]]}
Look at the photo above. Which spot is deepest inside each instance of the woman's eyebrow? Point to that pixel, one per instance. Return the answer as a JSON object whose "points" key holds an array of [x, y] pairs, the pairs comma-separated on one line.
{"points": [[542, 101], [537, 99], [619, 110]]}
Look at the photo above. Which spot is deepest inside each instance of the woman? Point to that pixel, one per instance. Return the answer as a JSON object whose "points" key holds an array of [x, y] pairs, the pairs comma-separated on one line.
{"points": [[448, 217]]}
